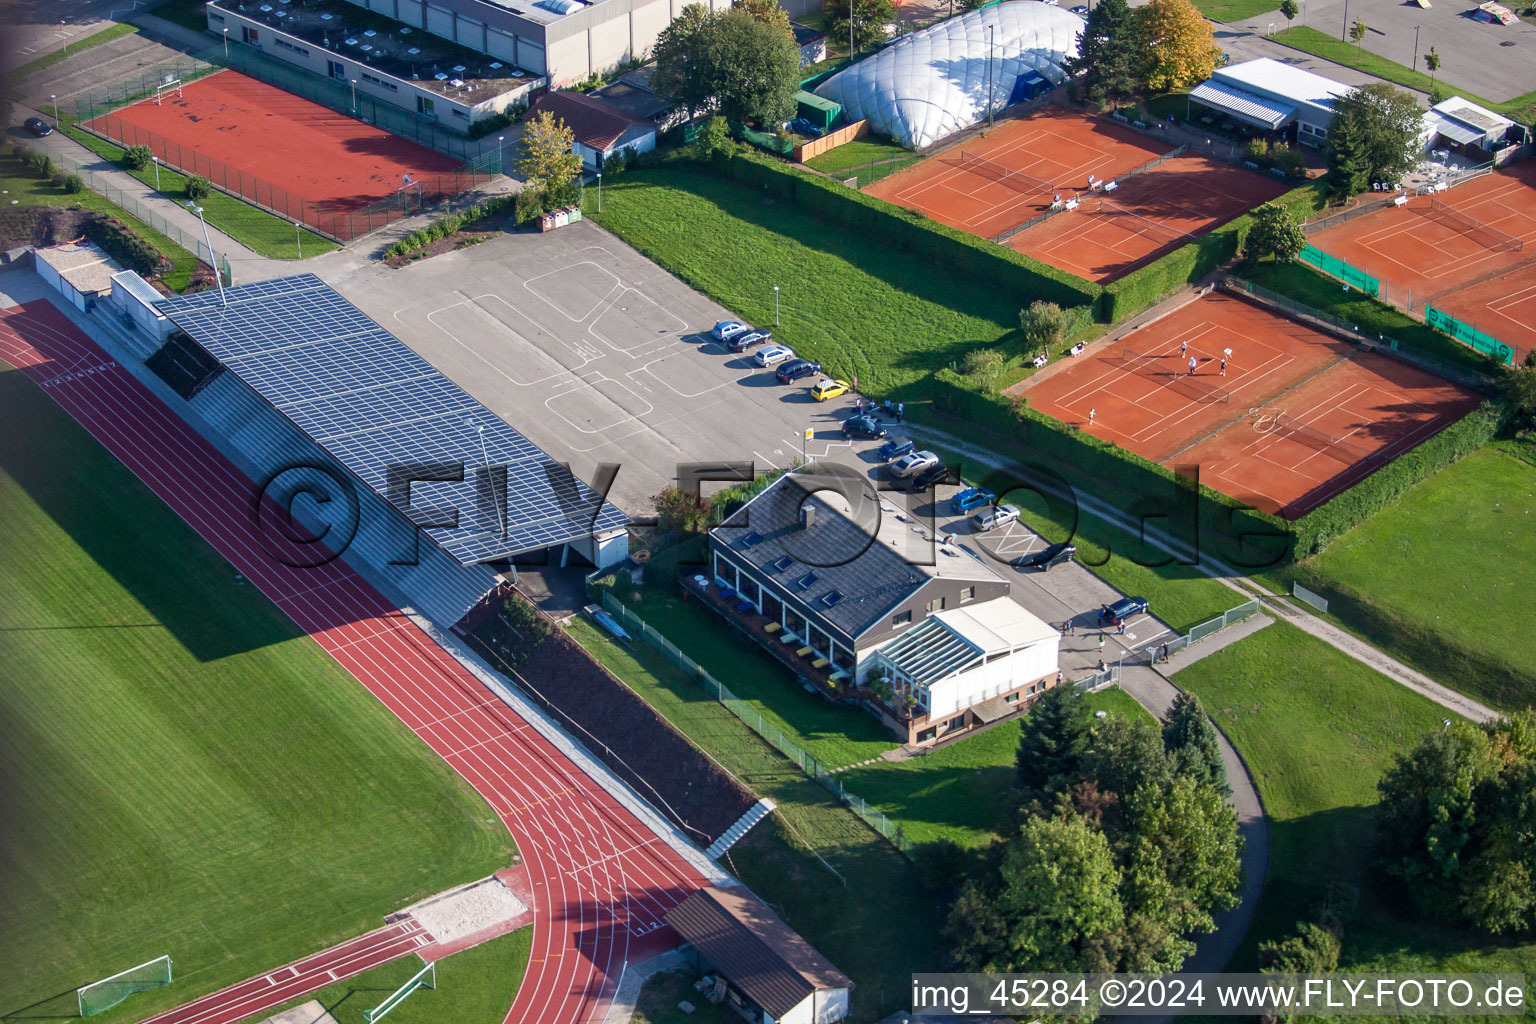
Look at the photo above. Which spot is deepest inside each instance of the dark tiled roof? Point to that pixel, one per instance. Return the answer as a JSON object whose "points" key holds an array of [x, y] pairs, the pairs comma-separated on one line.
{"points": [[842, 554], [595, 123], [750, 945], [805, 34], [633, 101]]}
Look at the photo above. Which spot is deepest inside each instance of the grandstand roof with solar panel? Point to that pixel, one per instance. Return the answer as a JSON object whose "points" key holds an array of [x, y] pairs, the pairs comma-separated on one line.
{"points": [[396, 424]]}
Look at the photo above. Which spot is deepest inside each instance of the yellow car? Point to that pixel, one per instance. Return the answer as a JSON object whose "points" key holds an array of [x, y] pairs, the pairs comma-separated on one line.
{"points": [[825, 389]]}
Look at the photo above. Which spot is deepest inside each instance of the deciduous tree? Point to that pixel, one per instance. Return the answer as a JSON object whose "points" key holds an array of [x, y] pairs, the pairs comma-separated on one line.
{"points": [[684, 71], [546, 157], [1178, 46], [1289, 9], [983, 366], [1357, 32], [870, 18], [1312, 950], [756, 69], [1373, 137], [1275, 233], [769, 12], [1043, 325]]}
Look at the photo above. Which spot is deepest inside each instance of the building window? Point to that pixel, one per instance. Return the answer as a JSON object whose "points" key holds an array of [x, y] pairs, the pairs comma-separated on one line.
{"points": [[426, 106], [927, 734], [216, 17], [958, 722], [460, 113], [967, 594], [376, 80], [335, 70], [283, 44], [901, 618], [1012, 698], [936, 605], [251, 35]]}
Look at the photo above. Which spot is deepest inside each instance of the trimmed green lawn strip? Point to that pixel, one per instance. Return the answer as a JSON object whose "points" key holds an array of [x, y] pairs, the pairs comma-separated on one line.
{"points": [[880, 925], [661, 994], [187, 773], [1310, 40], [263, 233], [847, 300], [859, 152], [19, 184], [1316, 730], [475, 986], [1233, 10], [959, 792], [1455, 556], [47, 60]]}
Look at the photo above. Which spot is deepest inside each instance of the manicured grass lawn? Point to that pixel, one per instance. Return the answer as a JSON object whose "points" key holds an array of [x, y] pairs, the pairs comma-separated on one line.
{"points": [[659, 998], [860, 151], [18, 183], [58, 56], [473, 987], [1456, 557], [871, 917], [1310, 40], [257, 230], [959, 792], [836, 735], [1234, 10], [186, 773], [855, 304], [1321, 292], [1317, 729]]}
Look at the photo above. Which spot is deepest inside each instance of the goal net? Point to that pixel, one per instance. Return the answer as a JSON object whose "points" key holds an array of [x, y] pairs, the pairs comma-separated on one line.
{"points": [[171, 86], [102, 995]]}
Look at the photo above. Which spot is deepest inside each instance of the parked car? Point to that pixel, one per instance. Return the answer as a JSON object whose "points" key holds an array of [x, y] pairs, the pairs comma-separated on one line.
{"points": [[37, 126], [992, 518], [914, 462], [929, 478], [801, 126], [795, 369], [970, 499], [1114, 614], [865, 426], [773, 354], [828, 388], [895, 448], [748, 339], [1047, 557], [1080, 11], [725, 330]]}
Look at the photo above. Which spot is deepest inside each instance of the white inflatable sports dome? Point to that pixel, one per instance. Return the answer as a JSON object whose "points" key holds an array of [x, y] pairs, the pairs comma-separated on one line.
{"points": [[932, 83]]}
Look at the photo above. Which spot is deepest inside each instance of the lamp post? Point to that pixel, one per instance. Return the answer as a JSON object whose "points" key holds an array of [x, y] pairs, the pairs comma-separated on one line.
{"points": [[599, 191], [501, 166], [486, 455], [214, 259], [775, 305], [1415, 65], [55, 101], [1344, 32], [297, 241], [354, 95], [156, 161], [226, 44]]}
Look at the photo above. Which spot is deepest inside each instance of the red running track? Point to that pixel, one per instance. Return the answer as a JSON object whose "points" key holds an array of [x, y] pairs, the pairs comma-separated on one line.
{"points": [[601, 879], [302, 977]]}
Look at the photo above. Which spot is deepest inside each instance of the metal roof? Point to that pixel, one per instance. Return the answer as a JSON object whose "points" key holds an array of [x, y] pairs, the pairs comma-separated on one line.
{"points": [[1452, 128], [1467, 112], [386, 414], [1283, 82], [954, 640], [1266, 113], [751, 946]]}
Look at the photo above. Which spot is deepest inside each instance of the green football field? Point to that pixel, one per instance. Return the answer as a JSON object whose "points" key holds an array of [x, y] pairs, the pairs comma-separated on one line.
{"points": [[182, 772]]}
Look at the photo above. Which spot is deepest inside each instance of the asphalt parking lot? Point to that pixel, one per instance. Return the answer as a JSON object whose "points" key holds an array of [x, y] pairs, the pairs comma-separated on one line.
{"points": [[598, 356]]}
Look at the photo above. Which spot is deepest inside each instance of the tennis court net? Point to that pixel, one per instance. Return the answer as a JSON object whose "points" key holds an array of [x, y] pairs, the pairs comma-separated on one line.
{"points": [[1175, 378], [1484, 234], [1014, 179], [1319, 440]]}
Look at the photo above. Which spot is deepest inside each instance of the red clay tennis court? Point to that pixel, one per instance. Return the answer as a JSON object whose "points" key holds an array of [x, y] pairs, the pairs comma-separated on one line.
{"points": [[1110, 234], [1298, 416], [1010, 174], [300, 159], [1437, 245], [1504, 307]]}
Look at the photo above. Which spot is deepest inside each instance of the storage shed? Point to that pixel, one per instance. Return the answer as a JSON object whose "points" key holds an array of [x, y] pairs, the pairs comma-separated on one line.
{"points": [[769, 973], [823, 113], [79, 270]]}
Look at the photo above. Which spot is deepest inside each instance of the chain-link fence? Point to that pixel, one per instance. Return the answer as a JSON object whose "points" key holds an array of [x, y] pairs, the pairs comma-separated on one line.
{"points": [[1163, 649], [130, 205], [749, 716], [1310, 597]]}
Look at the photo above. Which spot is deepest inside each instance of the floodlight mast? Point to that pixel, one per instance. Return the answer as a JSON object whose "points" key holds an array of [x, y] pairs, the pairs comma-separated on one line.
{"points": [[213, 257]]}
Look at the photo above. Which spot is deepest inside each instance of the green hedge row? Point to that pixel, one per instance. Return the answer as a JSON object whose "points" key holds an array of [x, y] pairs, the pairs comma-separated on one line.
{"points": [[1147, 285], [1090, 463], [1330, 520], [910, 232]]}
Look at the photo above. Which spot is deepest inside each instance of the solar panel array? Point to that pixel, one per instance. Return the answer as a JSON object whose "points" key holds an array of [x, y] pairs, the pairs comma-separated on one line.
{"points": [[386, 414]]}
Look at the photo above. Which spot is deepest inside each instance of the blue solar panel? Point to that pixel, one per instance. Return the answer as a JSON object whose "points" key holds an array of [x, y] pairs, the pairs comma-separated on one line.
{"points": [[377, 408]]}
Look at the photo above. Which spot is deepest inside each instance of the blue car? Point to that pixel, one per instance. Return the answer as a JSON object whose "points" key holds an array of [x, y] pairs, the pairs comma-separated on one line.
{"points": [[970, 499], [895, 448]]}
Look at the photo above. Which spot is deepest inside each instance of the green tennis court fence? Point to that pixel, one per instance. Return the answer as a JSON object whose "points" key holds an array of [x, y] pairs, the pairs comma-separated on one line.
{"points": [[1470, 336], [1310, 597], [1351, 275]]}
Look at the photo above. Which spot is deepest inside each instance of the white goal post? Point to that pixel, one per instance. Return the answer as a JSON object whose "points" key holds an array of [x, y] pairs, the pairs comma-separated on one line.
{"points": [[108, 992]]}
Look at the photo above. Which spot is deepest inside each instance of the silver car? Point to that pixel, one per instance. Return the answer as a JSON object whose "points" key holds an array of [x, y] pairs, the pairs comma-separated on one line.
{"points": [[773, 354], [992, 518], [909, 465]]}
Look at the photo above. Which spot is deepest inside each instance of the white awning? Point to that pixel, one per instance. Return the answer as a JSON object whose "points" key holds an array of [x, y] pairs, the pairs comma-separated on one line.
{"points": [[1450, 129], [1250, 107]]}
